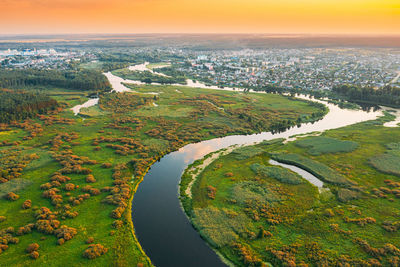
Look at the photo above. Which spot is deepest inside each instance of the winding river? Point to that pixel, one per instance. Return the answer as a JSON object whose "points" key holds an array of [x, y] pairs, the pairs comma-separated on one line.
{"points": [[161, 226], [117, 84]]}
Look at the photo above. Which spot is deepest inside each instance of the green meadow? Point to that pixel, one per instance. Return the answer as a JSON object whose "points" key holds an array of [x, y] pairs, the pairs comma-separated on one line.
{"points": [[80, 172], [256, 214]]}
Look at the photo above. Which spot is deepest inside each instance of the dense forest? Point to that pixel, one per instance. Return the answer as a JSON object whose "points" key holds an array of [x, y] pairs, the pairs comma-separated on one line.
{"points": [[81, 80], [385, 96], [19, 105]]}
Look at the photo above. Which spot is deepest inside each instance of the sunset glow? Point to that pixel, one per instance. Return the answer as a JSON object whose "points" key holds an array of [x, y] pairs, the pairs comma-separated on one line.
{"points": [[203, 16]]}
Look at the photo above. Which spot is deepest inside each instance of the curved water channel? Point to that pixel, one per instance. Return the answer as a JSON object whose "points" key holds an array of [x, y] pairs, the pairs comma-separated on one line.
{"points": [[161, 226], [305, 174], [117, 84]]}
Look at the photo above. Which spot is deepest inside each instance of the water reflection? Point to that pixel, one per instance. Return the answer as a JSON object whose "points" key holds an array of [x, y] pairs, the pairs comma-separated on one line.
{"points": [[161, 226], [305, 174]]}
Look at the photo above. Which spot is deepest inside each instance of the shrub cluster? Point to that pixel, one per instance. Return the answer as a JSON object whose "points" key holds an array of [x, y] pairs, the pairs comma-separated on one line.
{"points": [[391, 226], [50, 120], [360, 221], [90, 179], [387, 249], [13, 162], [27, 204], [65, 233], [345, 195], [248, 257], [11, 196], [251, 190], [387, 163], [72, 163], [246, 152], [75, 201], [286, 256], [211, 191], [6, 238], [32, 250], [335, 227], [46, 221], [383, 191], [220, 227], [34, 129], [320, 145], [25, 229], [281, 174], [94, 250], [120, 192], [129, 146]]}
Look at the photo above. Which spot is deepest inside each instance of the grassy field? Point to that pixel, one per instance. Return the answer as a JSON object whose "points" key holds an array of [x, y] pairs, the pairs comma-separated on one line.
{"points": [[80, 172], [254, 217], [152, 66]]}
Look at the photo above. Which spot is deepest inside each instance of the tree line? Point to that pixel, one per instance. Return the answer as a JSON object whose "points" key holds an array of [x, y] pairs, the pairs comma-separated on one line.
{"points": [[19, 105], [68, 79], [387, 95]]}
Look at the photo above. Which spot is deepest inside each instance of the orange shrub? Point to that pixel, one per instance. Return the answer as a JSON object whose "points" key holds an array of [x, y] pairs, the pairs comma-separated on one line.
{"points": [[32, 247], [94, 251], [34, 255], [69, 187], [12, 196], [65, 232], [90, 179], [27, 204], [211, 191]]}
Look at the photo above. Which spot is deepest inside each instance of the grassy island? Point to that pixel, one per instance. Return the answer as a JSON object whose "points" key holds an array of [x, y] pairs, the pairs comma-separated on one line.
{"points": [[256, 214]]}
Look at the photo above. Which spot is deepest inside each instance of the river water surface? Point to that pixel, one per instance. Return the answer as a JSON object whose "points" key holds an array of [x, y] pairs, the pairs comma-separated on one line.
{"points": [[161, 226]]}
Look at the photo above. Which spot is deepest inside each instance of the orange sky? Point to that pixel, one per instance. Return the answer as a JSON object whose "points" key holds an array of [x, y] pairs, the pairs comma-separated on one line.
{"points": [[205, 16]]}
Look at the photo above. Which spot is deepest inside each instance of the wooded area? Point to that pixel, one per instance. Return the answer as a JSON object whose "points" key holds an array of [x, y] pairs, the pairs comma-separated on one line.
{"points": [[386, 96], [21, 105], [82, 80]]}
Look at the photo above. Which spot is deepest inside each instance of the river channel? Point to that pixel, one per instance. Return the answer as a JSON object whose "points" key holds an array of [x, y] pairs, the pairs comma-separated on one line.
{"points": [[161, 225], [163, 230]]}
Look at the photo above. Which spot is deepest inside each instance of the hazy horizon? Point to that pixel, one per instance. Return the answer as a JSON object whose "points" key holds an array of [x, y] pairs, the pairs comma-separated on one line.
{"points": [[360, 17]]}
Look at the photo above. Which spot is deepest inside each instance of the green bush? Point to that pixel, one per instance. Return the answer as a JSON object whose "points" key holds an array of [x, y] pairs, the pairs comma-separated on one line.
{"points": [[273, 141], [246, 152], [245, 191], [320, 145], [388, 163], [318, 169], [220, 227], [345, 195], [281, 174]]}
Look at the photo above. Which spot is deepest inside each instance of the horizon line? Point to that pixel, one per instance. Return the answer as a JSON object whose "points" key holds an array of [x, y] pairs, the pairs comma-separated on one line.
{"points": [[208, 33]]}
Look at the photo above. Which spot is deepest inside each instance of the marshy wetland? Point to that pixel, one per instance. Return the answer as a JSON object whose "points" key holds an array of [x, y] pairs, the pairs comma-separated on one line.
{"points": [[255, 213]]}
